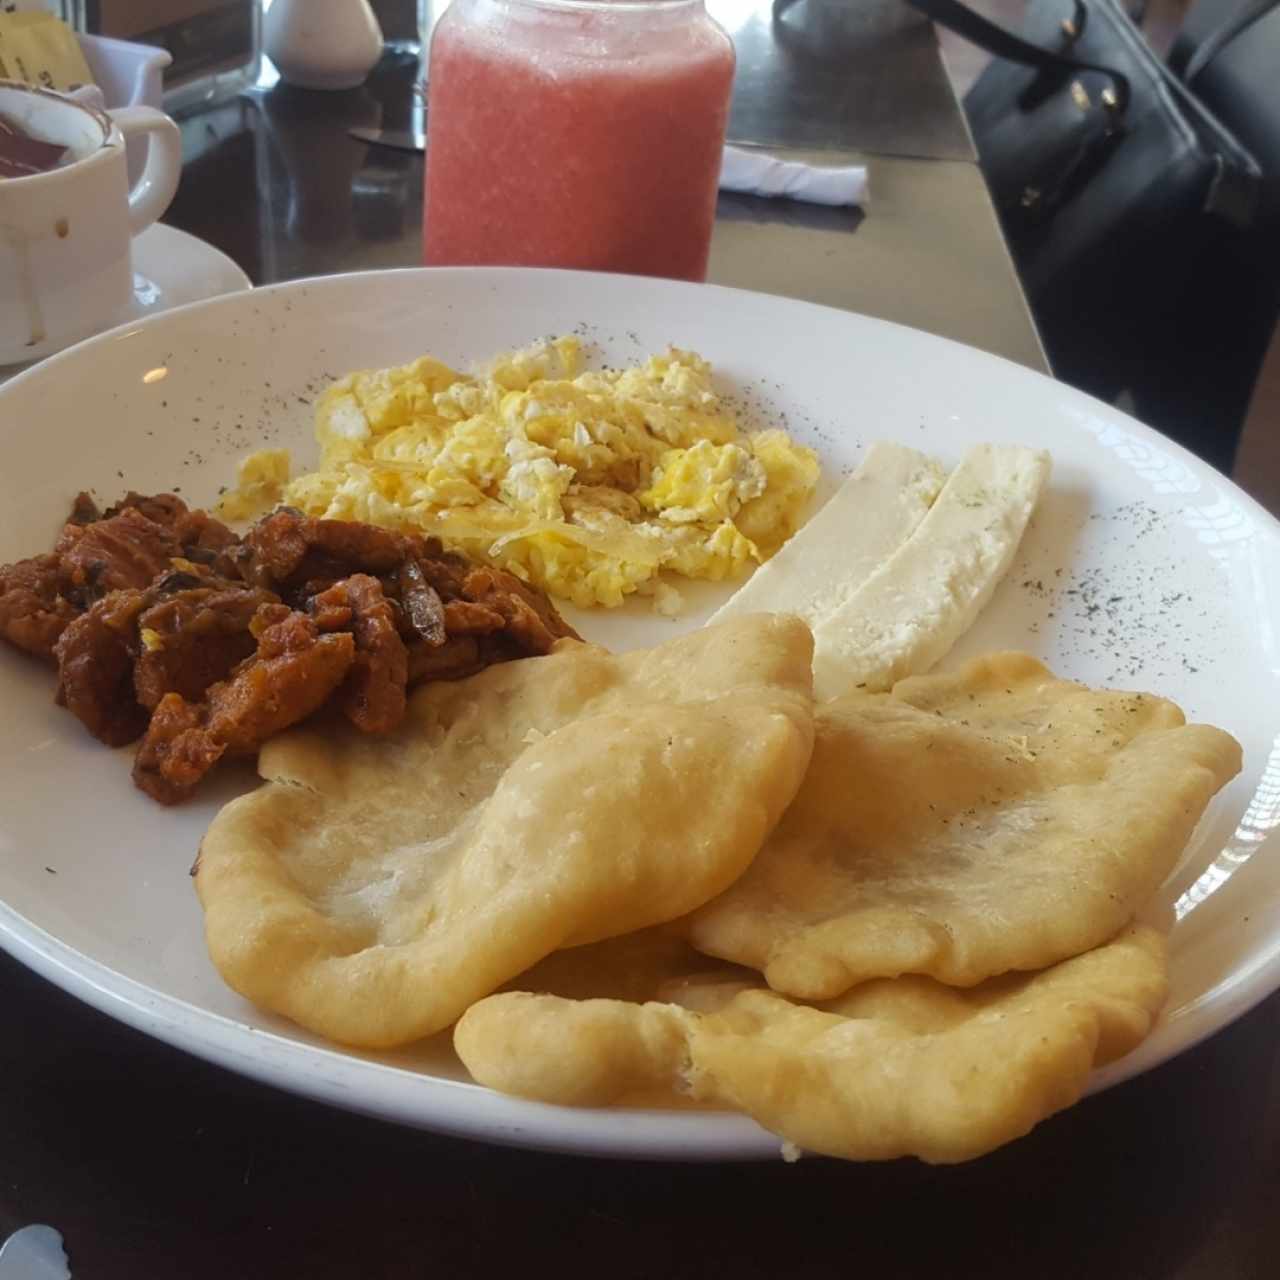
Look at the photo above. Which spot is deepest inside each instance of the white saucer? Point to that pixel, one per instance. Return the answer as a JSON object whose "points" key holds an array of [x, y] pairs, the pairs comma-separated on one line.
{"points": [[170, 268]]}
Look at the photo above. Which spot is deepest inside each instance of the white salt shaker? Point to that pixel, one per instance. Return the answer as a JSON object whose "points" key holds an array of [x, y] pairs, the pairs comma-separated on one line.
{"points": [[322, 44]]}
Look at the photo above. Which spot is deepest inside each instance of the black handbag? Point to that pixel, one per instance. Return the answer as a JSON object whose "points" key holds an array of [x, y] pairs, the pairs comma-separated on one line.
{"points": [[1129, 210]]}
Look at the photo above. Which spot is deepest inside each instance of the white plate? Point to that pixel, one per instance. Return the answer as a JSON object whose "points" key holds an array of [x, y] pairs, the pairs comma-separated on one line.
{"points": [[1143, 568]]}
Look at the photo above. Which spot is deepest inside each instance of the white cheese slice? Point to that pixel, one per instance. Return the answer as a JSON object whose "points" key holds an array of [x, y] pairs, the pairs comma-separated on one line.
{"points": [[907, 615], [863, 523]]}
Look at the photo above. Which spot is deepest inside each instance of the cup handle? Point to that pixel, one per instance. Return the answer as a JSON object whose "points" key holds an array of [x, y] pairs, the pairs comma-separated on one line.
{"points": [[155, 189]]}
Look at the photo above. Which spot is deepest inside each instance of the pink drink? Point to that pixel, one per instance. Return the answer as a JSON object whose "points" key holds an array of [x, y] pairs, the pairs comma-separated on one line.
{"points": [[576, 135]]}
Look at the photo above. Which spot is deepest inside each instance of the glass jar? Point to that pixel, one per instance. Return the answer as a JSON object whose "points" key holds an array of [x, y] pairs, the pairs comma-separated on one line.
{"points": [[576, 133]]}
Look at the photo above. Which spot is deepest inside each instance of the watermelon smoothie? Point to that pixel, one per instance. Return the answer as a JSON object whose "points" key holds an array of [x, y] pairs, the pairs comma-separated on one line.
{"points": [[576, 134]]}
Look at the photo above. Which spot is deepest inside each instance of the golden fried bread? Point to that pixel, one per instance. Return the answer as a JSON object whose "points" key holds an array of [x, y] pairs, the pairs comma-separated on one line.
{"points": [[897, 1067], [968, 824], [377, 886]]}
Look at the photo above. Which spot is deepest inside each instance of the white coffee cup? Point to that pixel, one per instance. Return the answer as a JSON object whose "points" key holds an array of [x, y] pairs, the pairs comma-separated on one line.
{"points": [[66, 235]]}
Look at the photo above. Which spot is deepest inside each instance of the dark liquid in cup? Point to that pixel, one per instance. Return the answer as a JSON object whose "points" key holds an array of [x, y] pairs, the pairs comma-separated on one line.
{"points": [[21, 155]]}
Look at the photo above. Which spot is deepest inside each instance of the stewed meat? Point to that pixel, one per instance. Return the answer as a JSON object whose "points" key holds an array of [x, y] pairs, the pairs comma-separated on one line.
{"points": [[192, 527], [297, 555], [295, 669], [127, 550], [466, 618], [95, 656], [193, 638], [372, 697], [459, 656], [200, 536], [34, 611], [528, 616], [84, 510], [163, 622], [185, 631], [98, 553], [164, 508]]}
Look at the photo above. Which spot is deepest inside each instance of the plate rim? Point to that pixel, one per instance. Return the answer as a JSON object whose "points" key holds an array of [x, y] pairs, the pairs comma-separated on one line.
{"points": [[613, 1133]]}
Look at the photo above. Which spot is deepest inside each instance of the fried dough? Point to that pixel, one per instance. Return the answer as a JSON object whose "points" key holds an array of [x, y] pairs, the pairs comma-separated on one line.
{"points": [[375, 887], [968, 824], [897, 1067]]}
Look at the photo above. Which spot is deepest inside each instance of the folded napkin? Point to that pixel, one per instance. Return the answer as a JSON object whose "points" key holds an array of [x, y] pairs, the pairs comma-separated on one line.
{"points": [[760, 174]]}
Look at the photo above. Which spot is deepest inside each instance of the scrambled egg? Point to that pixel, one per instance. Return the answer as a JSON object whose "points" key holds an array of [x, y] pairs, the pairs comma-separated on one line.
{"points": [[589, 484]]}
